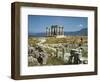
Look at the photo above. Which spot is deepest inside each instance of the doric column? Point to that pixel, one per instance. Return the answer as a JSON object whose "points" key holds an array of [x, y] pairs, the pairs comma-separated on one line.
{"points": [[46, 31], [49, 31], [56, 30], [53, 30], [63, 30], [59, 30]]}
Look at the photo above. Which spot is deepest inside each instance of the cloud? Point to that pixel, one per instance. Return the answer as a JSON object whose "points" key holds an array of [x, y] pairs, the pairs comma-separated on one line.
{"points": [[80, 25]]}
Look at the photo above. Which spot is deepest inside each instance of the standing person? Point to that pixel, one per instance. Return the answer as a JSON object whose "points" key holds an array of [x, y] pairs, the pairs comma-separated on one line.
{"points": [[74, 57], [77, 58], [40, 59], [81, 42], [71, 57]]}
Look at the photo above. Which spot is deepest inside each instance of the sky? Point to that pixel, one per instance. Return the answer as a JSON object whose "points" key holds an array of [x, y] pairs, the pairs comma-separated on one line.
{"points": [[38, 23]]}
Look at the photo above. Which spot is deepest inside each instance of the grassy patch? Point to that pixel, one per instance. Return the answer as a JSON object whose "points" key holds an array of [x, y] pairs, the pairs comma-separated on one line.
{"points": [[54, 61], [33, 41]]}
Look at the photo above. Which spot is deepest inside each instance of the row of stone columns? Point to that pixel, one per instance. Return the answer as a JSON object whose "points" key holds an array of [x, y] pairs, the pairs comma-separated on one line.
{"points": [[54, 30]]}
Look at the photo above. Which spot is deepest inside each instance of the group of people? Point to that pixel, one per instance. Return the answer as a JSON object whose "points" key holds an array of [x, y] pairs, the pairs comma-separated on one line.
{"points": [[75, 56], [37, 56]]}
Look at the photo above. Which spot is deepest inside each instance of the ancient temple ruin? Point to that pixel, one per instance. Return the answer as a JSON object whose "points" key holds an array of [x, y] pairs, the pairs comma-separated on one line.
{"points": [[55, 30]]}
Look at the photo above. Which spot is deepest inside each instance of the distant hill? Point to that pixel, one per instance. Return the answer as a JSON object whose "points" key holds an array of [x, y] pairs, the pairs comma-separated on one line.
{"points": [[41, 34], [82, 32]]}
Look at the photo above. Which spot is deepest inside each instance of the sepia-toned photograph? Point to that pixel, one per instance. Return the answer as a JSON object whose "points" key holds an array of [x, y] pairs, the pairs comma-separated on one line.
{"points": [[57, 40]]}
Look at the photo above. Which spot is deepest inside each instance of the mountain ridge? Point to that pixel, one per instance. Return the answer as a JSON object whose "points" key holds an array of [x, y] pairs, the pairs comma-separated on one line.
{"points": [[82, 32]]}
